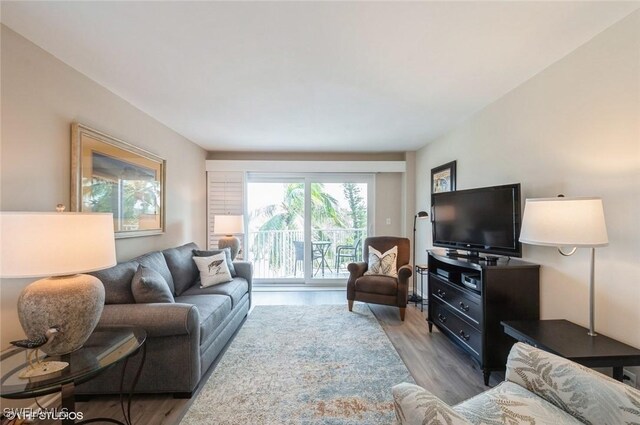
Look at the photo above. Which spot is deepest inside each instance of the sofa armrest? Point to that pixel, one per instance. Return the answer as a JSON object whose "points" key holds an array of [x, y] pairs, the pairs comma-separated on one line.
{"points": [[157, 319], [244, 269], [585, 394], [416, 406]]}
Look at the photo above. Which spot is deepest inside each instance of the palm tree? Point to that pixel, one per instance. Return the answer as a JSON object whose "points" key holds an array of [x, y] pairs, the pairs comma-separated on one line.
{"points": [[289, 215]]}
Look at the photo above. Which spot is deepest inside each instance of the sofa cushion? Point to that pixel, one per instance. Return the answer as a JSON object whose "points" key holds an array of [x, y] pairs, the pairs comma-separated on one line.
{"points": [[155, 260], [180, 263], [148, 286], [213, 310], [236, 289], [511, 403], [377, 284], [209, 253], [117, 282]]}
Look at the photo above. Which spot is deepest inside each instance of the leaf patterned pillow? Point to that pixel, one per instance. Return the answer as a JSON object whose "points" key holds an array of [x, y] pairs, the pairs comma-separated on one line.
{"points": [[213, 270], [383, 264]]}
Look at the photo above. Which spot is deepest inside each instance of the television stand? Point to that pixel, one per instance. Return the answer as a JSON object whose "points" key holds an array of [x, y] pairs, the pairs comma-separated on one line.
{"points": [[470, 317]]}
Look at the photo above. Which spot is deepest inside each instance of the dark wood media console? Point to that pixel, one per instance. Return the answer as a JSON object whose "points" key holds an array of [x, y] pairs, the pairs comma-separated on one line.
{"points": [[470, 315]]}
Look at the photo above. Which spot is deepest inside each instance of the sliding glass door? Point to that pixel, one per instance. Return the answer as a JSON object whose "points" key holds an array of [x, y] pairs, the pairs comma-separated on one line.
{"points": [[307, 228]]}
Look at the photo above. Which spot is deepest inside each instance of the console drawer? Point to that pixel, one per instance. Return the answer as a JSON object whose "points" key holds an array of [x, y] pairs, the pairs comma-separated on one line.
{"points": [[457, 327], [465, 304]]}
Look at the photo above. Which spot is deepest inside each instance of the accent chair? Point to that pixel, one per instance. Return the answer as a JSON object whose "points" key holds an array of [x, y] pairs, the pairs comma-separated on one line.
{"points": [[378, 288]]}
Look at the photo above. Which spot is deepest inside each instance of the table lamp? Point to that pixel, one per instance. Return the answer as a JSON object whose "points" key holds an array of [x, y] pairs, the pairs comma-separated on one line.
{"points": [[567, 223], [415, 298], [229, 225], [60, 246]]}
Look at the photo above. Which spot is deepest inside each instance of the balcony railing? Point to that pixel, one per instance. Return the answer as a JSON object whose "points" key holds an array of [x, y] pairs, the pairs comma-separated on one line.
{"points": [[280, 253]]}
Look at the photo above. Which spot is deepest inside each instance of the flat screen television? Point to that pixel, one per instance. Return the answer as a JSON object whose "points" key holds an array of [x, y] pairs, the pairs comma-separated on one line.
{"points": [[485, 219]]}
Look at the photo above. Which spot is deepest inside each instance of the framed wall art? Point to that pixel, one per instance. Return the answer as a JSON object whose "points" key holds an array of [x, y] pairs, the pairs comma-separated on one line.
{"points": [[443, 178], [109, 175]]}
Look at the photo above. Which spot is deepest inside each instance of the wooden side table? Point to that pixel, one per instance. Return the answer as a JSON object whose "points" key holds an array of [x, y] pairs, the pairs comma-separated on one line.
{"points": [[571, 341]]}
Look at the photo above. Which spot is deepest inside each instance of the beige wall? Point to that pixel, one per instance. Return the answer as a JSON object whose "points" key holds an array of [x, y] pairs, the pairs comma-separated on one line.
{"points": [[573, 129], [41, 97]]}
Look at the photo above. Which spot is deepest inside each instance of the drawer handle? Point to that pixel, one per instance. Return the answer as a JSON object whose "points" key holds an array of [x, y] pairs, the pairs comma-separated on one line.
{"points": [[464, 336], [464, 307], [441, 293], [442, 318]]}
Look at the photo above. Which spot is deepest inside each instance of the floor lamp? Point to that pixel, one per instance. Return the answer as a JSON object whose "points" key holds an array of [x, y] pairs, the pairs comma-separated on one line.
{"points": [[414, 298], [567, 223]]}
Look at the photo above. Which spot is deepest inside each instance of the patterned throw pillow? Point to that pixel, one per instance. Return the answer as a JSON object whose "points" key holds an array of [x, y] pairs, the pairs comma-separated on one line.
{"points": [[383, 264], [213, 270], [227, 252]]}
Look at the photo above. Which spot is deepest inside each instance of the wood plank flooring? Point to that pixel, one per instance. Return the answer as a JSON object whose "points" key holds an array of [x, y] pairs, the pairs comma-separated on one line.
{"points": [[434, 362]]}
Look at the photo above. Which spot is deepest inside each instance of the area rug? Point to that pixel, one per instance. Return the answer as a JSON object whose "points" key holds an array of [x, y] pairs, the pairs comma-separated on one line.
{"points": [[303, 365]]}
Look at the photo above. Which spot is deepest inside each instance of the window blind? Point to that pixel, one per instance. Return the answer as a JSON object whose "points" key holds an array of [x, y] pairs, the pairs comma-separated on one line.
{"points": [[225, 195]]}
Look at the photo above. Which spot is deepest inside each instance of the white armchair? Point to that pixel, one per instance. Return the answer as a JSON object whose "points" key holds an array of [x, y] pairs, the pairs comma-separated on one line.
{"points": [[539, 388]]}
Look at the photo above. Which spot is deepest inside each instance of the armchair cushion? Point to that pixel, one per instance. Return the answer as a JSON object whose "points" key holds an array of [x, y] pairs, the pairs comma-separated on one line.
{"points": [[377, 284]]}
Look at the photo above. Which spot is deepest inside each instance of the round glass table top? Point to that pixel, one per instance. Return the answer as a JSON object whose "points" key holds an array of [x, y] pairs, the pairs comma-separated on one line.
{"points": [[104, 348]]}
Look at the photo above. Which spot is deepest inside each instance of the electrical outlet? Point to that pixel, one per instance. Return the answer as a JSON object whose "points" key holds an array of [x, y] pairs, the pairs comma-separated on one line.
{"points": [[629, 378], [388, 221]]}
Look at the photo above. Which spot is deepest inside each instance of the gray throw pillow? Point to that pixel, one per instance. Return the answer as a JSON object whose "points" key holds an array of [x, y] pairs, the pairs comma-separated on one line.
{"points": [[227, 254], [148, 286]]}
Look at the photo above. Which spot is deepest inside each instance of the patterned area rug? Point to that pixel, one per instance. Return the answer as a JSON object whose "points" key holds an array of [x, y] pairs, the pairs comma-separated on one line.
{"points": [[303, 365]]}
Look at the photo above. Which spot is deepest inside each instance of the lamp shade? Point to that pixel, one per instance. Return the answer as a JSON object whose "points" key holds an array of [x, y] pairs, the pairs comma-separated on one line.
{"points": [[228, 224], [575, 222], [37, 244]]}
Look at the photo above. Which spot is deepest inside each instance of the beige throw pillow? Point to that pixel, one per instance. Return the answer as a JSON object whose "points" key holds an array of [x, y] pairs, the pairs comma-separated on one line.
{"points": [[213, 270], [383, 264]]}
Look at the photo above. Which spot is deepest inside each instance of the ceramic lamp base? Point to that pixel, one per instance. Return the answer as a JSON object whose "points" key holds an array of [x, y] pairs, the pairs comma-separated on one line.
{"points": [[74, 303], [232, 243]]}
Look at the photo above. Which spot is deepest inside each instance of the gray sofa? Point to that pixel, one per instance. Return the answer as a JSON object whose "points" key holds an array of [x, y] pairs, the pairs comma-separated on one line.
{"points": [[183, 338]]}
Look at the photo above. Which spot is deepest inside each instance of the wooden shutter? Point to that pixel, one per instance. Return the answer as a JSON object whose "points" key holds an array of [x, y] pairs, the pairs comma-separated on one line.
{"points": [[225, 195]]}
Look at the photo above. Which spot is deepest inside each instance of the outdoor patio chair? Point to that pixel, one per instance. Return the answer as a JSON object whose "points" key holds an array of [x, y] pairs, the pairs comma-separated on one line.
{"points": [[350, 253]]}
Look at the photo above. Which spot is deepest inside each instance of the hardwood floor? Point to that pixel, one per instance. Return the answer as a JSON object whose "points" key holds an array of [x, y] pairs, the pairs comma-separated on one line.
{"points": [[434, 362]]}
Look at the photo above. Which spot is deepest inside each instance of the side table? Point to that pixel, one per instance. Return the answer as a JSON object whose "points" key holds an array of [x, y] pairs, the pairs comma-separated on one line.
{"points": [[571, 341], [422, 270], [104, 348]]}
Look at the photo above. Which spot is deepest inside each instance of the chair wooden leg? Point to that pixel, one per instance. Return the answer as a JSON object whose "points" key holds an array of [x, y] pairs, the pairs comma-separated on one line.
{"points": [[402, 311], [350, 305]]}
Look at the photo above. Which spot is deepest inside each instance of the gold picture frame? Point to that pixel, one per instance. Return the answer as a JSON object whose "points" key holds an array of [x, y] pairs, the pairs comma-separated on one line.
{"points": [[110, 175]]}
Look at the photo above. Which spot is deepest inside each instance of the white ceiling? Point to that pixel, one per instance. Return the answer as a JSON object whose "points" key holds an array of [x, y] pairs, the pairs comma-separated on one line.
{"points": [[311, 76]]}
